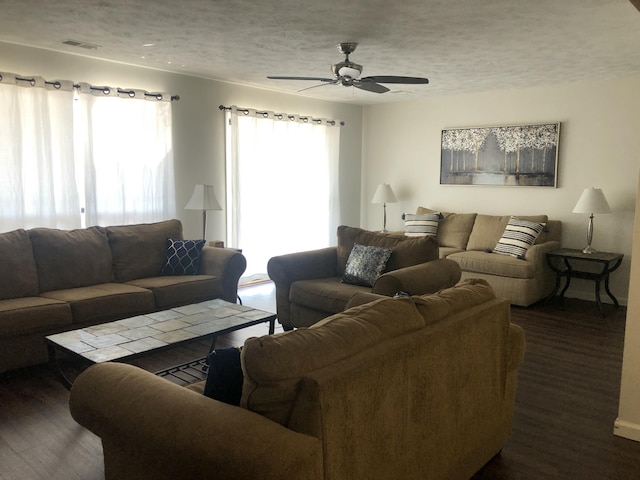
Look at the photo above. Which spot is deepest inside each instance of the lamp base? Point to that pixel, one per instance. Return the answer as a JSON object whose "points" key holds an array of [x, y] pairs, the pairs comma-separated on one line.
{"points": [[588, 249]]}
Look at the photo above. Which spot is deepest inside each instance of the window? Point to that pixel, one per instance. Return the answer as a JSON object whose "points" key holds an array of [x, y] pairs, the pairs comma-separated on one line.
{"points": [[126, 160], [76, 158]]}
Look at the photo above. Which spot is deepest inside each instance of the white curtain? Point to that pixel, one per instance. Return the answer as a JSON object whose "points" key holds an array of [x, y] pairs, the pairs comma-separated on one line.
{"points": [[38, 182], [282, 184], [126, 155], [77, 155]]}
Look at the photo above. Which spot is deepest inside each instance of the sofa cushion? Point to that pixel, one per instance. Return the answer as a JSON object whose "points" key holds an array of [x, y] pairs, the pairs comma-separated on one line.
{"points": [[407, 251], [518, 236], [328, 295], [274, 365], [488, 263], [488, 229], [105, 302], [454, 228], [139, 250], [365, 264], [71, 258], [420, 225], [19, 276], [446, 251], [182, 257], [171, 291], [26, 315]]}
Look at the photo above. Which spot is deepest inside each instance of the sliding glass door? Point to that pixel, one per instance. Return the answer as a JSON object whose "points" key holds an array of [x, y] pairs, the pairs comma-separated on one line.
{"points": [[282, 185]]}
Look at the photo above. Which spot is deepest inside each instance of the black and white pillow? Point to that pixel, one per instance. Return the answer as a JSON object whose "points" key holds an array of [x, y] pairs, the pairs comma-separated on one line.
{"points": [[182, 257], [365, 264], [518, 236], [421, 225]]}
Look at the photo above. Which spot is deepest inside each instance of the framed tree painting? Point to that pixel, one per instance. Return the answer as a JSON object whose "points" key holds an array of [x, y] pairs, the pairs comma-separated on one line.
{"points": [[519, 155]]}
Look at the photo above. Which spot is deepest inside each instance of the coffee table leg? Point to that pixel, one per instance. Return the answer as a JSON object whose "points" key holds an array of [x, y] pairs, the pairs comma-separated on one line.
{"points": [[57, 369]]}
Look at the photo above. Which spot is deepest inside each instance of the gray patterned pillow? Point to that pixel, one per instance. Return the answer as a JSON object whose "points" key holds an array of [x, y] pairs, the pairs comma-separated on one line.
{"points": [[365, 264]]}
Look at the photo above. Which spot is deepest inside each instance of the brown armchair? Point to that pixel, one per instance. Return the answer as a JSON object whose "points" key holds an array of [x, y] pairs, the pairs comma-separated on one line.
{"points": [[309, 285]]}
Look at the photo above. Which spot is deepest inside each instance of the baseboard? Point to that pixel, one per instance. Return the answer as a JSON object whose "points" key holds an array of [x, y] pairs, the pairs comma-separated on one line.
{"points": [[590, 297], [625, 429]]}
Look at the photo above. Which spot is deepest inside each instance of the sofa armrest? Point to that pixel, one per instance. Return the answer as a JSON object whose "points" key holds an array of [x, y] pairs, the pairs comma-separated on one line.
{"points": [[289, 268], [152, 428], [286, 269], [227, 264], [537, 253], [421, 279]]}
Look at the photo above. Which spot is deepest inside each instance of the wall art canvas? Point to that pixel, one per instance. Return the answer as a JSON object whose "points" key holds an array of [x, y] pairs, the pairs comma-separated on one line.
{"points": [[520, 155]]}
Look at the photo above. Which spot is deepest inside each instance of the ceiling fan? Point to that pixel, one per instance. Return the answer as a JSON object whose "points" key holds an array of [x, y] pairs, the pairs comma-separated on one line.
{"points": [[347, 73]]}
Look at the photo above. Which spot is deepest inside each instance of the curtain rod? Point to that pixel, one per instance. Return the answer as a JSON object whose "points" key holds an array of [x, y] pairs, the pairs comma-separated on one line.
{"points": [[106, 90], [280, 116]]}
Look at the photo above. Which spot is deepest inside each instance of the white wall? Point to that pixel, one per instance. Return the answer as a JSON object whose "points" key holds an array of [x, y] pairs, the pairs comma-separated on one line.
{"points": [[599, 146], [198, 123]]}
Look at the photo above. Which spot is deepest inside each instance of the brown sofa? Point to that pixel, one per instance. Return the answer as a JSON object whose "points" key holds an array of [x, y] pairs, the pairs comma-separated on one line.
{"points": [[55, 280], [309, 284], [469, 238], [418, 387]]}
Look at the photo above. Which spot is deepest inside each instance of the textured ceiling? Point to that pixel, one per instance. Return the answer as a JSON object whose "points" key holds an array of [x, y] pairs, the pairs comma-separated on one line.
{"points": [[460, 45]]}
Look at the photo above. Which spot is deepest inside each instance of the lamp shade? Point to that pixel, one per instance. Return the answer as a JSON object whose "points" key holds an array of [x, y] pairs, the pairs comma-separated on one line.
{"points": [[384, 194], [203, 198], [592, 200]]}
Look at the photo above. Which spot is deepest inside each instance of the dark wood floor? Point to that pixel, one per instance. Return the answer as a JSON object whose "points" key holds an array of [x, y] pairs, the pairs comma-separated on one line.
{"points": [[566, 404]]}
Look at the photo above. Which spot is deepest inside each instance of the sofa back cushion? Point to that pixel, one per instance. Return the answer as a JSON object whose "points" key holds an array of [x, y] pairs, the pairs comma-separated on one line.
{"points": [[139, 250], [454, 228], [71, 258], [274, 365], [19, 276], [407, 251], [488, 229]]}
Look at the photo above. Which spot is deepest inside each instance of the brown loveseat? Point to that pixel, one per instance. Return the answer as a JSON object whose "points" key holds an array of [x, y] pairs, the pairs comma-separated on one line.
{"points": [[55, 280], [309, 284], [469, 239], [399, 388]]}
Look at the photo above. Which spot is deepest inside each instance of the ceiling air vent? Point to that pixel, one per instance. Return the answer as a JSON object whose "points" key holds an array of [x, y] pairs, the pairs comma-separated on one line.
{"points": [[85, 45]]}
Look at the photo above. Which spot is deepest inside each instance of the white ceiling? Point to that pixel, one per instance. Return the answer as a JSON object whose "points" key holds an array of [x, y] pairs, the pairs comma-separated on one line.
{"points": [[462, 46]]}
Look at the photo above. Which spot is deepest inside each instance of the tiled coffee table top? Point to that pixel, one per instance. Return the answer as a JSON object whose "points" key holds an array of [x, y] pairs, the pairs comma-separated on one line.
{"points": [[135, 335]]}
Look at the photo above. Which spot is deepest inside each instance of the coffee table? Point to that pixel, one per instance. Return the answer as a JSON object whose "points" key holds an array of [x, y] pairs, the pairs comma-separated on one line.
{"points": [[130, 338]]}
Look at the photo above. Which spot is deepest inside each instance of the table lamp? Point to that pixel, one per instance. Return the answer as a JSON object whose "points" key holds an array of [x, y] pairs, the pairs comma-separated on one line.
{"points": [[384, 194], [591, 201], [203, 198]]}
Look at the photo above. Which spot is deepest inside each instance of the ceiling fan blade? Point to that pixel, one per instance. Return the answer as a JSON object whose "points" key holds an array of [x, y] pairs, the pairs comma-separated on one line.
{"points": [[320, 85], [370, 86], [317, 79], [394, 79]]}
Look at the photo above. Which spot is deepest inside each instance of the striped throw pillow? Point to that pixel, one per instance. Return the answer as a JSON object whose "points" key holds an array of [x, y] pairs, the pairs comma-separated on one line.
{"points": [[421, 225], [518, 236]]}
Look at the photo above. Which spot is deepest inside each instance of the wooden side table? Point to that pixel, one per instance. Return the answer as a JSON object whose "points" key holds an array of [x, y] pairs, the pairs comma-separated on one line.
{"points": [[566, 263]]}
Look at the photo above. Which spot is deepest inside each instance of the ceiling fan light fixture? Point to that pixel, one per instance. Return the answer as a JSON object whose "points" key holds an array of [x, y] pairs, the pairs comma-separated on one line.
{"points": [[349, 71], [346, 69]]}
